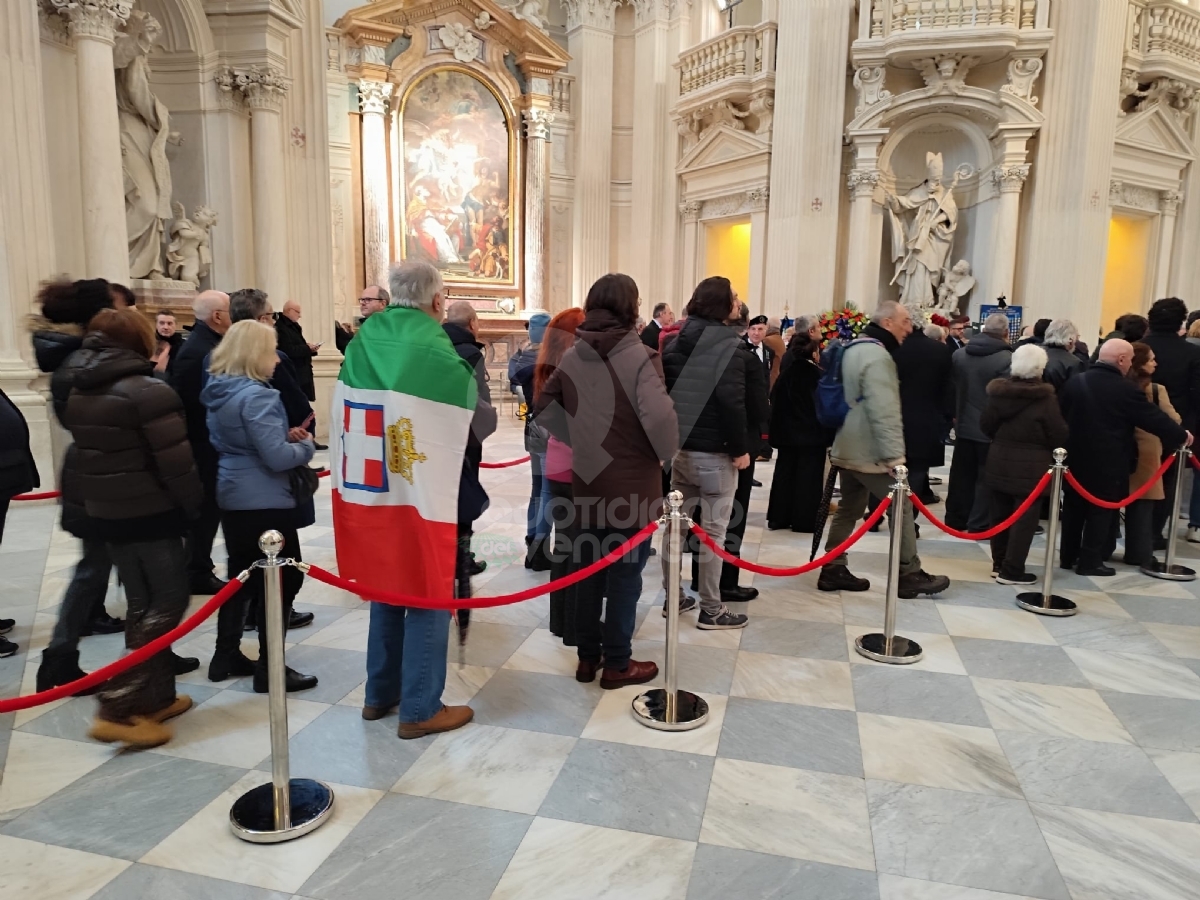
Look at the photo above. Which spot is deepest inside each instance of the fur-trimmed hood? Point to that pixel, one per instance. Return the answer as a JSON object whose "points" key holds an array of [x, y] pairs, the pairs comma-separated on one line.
{"points": [[53, 342], [1019, 389]]}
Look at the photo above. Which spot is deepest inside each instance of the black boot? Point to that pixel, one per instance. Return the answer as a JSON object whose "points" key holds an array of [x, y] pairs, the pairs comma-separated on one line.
{"points": [[228, 660], [538, 559], [230, 665], [61, 667], [295, 681]]}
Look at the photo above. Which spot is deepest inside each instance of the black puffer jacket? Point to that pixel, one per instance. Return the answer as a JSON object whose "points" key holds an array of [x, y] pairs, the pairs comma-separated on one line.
{"points": [[975, 366], [1061, 365], [709, 392], [1024, 422], [758, 403], [793, 404], [133, 461], [18, 471]]}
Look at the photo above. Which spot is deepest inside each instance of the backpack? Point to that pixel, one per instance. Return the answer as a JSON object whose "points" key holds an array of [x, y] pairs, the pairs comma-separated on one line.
{"points": [[830, 398]]}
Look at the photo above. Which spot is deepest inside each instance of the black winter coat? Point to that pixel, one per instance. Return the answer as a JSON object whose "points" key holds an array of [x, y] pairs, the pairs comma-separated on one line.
{"points": [[650, 333], [975, 366], [926, 397], [18, 471], [1102, 407], [186, 372], [708, 390], [758, 403], [793, 405], [1061, 365], [472, 498], [768, 357], [293, 345], [1179, 372], [1025, 425]]}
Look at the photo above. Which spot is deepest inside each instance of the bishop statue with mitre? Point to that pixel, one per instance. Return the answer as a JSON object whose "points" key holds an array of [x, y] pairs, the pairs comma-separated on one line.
{"points": [[920, 250]]}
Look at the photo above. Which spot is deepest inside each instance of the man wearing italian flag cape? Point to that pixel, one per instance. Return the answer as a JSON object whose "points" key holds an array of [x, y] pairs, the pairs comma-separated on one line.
{"points": [[401, 415]]}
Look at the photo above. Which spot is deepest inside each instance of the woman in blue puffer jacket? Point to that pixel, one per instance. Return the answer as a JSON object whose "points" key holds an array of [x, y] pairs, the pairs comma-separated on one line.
{"points": [[248, 428]]}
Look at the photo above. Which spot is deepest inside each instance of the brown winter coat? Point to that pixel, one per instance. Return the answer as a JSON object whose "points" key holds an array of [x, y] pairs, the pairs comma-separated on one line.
{"points": [[774, 343], [619, 421], [1149, 447], [1025, 425], [133, 462]]}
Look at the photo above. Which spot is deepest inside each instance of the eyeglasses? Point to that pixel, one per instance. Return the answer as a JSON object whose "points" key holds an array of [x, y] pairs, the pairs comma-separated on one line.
{"points": [[367, 299]]}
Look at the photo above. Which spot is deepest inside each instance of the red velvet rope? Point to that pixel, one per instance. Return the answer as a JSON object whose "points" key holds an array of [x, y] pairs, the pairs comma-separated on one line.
{"points": [[995, 529], [159, 644], [1120, 504], [1194, 461], [504, 465], [395, 599], [44, 495], [795, 570]]}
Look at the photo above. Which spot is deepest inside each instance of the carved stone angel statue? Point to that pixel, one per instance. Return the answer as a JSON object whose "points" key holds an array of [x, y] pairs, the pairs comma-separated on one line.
{"points": [[957, 284], [188, 254], [529, 10]]}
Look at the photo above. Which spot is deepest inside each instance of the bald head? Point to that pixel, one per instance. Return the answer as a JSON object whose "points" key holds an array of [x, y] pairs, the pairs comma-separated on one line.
{"points": [[212, 308], [1117, 352], [461, 312], [291, 310]]}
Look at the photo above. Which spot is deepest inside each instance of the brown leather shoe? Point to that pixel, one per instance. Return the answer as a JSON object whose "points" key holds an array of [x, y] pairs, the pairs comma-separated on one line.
{"points": [[139, 732], [374, 713], [446, 719], [585, 672], [181, 705], [635, 673]]}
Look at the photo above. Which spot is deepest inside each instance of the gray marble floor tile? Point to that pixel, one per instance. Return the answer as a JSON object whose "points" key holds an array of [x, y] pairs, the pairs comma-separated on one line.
{"points": [[338, 671], [557, 704], [73, 719], [1096, 633], [1016, 661], [787, 637], [719, 873], [341, 747], [1161, 722], [1107, 856], [488, 644], [119, 809], [417, 847], [1171, 611], [1088, 775], [981, 594], [800, 737], [153, 883], [632, 788], [937, 835], [708, 670], [917, 695], [918, 615]]}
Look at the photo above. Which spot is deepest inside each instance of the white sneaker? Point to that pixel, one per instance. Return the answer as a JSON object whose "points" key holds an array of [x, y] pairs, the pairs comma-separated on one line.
{"points": [[1193, 535]]}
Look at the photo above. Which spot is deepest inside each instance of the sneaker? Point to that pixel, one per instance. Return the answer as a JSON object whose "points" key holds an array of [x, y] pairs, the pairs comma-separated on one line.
{"points": [[447, 718], [723, 620], [840, 578], [687, 604], [1100, 571], [7, 625], [1193, 535], [139, 732], [7, 648], [921, 582], [1023, 578], [995, 571]]}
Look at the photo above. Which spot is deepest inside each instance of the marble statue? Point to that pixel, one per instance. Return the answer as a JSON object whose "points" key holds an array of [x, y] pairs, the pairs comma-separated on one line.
{"points": [[920, 250], [529, 10], [145, 130], [457, 38], [188, 254], [957, 284]]}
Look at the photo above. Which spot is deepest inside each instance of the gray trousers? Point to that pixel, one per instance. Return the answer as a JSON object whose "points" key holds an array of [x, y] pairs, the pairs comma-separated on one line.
{"points": [[856, 488], [87, 589], [707, 482]]}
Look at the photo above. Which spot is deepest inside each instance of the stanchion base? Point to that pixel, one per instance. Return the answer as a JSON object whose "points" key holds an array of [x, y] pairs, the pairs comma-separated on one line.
{"points": [[1032, 601], [252, 817], [650, 709], [1170, 573], [905, 652]]}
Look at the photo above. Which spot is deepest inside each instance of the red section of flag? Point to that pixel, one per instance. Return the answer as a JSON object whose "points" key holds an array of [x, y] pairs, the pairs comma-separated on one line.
{"points": [[373, 473], [346, 418], [374, 421]]}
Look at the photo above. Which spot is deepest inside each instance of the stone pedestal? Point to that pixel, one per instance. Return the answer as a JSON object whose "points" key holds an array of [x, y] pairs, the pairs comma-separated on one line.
{"points": [[153, 295]]}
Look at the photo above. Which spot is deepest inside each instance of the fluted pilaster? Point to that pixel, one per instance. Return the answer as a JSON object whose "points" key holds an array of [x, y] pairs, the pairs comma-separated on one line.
{"points": [[373, 99], [537, 182]]}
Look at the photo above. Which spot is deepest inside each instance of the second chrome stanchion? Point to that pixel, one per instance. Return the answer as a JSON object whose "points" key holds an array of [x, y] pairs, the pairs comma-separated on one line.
{"points": [[288, 807], [1045, 602], [671, 709], [1170, 570], [890, 647]]}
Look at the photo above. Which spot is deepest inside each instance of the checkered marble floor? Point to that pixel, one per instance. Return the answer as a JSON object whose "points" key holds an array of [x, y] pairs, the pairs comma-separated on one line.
{"points": [[1024, 757]]}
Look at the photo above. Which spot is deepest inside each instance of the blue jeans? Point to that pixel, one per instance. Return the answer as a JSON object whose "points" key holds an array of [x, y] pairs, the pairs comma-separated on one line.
{"points": [[535, 515], [621, 583], [406, 659]]}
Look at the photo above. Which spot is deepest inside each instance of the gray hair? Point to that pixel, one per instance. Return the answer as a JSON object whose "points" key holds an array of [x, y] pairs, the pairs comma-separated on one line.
{"points": [[1028, 362], [461, 312], [1060, 333], [207, 303], [248, 303], [996, 325], [414, 284], [804, 324], [935, 331], [919, 318], [887, 309]]}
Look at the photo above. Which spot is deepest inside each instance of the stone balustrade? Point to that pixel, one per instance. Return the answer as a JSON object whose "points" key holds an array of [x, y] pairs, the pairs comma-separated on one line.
{"points": [[1164, 40], [894, 16], [560, 93], [738, 56]]}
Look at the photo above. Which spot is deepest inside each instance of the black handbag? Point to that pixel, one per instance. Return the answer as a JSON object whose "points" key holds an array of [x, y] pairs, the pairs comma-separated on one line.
{"points": [[303, 483], [536, 437]]}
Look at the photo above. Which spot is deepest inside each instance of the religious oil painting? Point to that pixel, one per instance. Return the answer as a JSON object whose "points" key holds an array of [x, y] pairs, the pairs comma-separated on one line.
{"points": [[458, 184]]}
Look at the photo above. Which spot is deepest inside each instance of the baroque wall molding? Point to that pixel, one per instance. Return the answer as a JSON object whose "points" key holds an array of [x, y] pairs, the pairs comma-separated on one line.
{"points": [[1022, 73], [98, 19], [590, 13], [869, 82], [1133, 196]]}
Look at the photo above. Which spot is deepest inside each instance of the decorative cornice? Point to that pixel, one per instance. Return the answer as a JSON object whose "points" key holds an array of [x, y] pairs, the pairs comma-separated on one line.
{"points": [[96, 19], [537, 123], [862, 182], [373, 97], [590, 13], [1133, 196], [1010, 179]]}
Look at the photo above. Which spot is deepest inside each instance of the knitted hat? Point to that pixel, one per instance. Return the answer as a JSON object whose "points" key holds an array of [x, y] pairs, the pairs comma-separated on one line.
{"points": [[537, 327]]}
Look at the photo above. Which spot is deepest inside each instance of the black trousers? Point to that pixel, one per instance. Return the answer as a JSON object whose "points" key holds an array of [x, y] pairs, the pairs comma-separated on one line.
{"points": [[967, 504], [1162, 508], [1086, 531], [736, 530], [1010, 548], [243, 528], [1139, 531], [796, 488], [561, 512], [204, 528]]}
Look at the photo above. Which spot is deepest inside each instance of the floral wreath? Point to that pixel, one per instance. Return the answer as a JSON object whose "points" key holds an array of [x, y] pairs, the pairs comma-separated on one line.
{"points": [[843, 324]]}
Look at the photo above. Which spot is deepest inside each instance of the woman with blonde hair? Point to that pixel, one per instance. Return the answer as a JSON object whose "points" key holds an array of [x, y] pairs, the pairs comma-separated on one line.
{"points": [[255, 489]]}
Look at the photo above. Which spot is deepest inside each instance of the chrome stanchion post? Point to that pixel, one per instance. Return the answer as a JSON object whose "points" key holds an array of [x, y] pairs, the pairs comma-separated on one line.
{"points": [[890, 647], [1045, 602], [1169, 570], [670, 709], [287, 807]]}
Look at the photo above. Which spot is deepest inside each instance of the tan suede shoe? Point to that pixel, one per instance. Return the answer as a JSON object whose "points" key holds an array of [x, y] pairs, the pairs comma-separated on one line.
{"points": [[139, 732], [446, 719], [181, 705]]}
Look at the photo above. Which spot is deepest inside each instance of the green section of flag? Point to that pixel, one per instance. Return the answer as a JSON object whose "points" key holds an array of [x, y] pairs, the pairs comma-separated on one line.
{"points": [[406, 351]]}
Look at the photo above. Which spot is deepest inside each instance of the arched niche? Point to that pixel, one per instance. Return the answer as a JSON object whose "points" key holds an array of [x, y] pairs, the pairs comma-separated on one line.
{"points": [[185, 27]]}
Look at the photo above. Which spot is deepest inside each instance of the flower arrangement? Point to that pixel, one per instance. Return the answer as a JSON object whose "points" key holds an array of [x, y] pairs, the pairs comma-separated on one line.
{"points": [[843, 324]]}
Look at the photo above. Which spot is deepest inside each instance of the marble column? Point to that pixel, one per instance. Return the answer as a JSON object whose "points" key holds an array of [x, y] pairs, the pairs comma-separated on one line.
{"points": [[759, 202], [1009, 181], [590, 43], [265, 89], [1065, 241], [864, 241], [689, 213], [93, 26], [537, 185], [806, 154], [1168, 205], [651, 220], [373, 99]]}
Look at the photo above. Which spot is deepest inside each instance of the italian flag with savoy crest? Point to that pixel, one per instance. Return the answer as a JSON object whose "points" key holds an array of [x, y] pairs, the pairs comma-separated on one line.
{"points": [[402, 410]]}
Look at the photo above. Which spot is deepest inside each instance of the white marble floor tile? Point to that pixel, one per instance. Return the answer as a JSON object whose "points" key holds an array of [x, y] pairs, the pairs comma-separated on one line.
{"points": [[994, 624], [1182, 640], [1109, 856], [500, 768], [1097, 603], [897, 887], [543, 652], [1139, 585], [1130, 673], [613, 720], [939, 652], [803, 605], [789, 812], [1049, 709], [1182, 771], [39, 766], [205, 844], [347, 633], [567, 861], [34, 871], [654, 628], [958, 569], [29, 686], [791, 679], [935, 754]]}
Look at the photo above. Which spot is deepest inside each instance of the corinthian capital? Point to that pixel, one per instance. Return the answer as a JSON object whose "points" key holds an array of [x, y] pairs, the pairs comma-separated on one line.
{"points": [[1010, 179], [264, 88], [591, 13], [650, 10], [97, 19], [537, 123], [373, 96]]}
